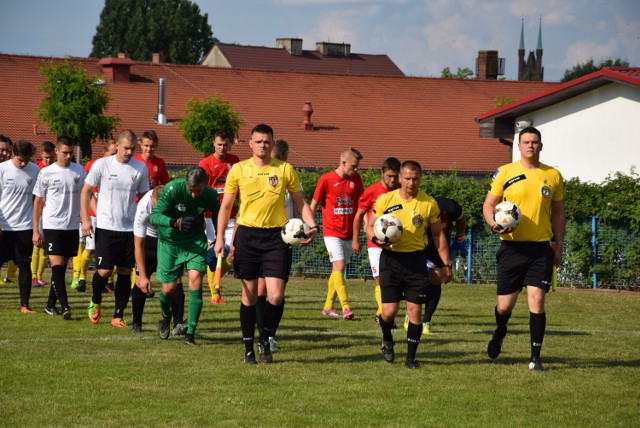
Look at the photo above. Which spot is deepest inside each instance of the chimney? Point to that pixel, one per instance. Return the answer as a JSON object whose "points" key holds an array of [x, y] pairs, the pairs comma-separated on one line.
{"points": [[333, 49], [307, 111], [488, 65], [156, 58], [117, 70], [293, 46], [162, 119]]}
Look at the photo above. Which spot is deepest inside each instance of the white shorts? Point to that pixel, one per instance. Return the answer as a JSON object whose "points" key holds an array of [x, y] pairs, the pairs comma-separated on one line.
{"points": [[339, 249], [374, 260], [89, 241]]}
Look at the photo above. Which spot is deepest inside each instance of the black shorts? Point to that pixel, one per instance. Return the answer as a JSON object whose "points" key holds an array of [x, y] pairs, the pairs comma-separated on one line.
{"points": [[150, 255], [16, 246], [403, 276], [524, 263], [114, 249], [61, 242], [434, 256], [260, 252]]}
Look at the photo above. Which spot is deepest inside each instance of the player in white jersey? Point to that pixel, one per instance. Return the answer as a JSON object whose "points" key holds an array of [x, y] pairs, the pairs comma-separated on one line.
{"points": [[60, 184], [17, 179], [121, 179]]}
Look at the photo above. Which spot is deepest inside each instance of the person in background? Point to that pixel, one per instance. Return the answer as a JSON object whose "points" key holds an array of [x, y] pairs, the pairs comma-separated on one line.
{"points": [[38, 258]]}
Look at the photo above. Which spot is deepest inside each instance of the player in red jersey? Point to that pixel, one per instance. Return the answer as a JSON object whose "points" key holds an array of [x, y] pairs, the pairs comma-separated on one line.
{"points": [[217, 166], [390, 171], [338, 191], [158, 173]]}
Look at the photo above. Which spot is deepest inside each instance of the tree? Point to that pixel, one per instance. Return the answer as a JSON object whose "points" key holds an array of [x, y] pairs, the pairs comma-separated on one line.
{"points": [[203, 118], [582, 69], [462, 73], [74, 104], [174, 28]]}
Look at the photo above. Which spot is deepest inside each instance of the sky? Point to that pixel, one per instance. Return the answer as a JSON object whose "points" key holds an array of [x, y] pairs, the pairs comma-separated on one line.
{"points": [[421, 36]]}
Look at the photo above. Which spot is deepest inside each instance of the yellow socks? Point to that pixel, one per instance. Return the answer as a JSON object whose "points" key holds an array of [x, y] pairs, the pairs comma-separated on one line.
{"points": [[340, 285], [378, 295]]}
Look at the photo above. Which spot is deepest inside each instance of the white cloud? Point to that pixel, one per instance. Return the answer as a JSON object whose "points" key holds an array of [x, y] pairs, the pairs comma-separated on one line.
{"points": [[581, 51]]}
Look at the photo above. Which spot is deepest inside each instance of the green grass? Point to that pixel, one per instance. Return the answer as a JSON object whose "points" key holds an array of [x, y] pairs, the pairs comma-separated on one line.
{"points": [[328, 372]]}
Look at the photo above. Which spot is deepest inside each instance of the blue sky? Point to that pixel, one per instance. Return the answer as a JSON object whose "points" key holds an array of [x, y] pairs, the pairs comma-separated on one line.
{"points": [[420, 36]]}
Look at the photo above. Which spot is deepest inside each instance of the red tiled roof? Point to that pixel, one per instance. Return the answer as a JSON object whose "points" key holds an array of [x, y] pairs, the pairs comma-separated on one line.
{"points": [[564, 91], [278, 59], [426, 119]]}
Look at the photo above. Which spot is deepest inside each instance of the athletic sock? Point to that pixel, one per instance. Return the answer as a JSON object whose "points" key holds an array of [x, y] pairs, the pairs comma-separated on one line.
{"points": [[272, 317], [122, 294], [35, 256], [501, 320], [279, 311], [261, 302], [331, 293], [138, 300], [210, 276], [248, 326], [58, 285], [165, 304], [51, 300], [413, 340], [177, 304], [77, 261], [386, 330], [537, 325], [42, 260], [195, 308], [85, 261], [98, 283], [434, 292], [24, 282], [340, 285], [378, 295]]}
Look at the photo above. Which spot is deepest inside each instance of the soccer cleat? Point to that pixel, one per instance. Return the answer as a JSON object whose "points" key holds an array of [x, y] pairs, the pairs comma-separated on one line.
{"points": [[265, 353], [74, 283], [406, 322], [273, 345], [109, 287], [163, 327], [495, 344], [27, 310], [66, 313], [250, 358], [35, 283], [217, 300], [180, 329], [136, 328], [387, 351], [426, 328], [42, 283], [330, 313], [6, 280], [536, 365], [82, 286], [94, 312], [51, 310], [347, 314], [190, 339], [412, 364], [118, 322]]}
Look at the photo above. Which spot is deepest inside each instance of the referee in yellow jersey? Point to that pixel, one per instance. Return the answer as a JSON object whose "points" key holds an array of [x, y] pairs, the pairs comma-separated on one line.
{"points": [[262, 182], [403, 264], [525, 258]]}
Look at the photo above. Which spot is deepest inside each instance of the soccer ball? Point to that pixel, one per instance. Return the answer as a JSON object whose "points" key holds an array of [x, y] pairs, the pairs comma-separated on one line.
{"points": [[507, 215], [387, 228], [294, 232]]}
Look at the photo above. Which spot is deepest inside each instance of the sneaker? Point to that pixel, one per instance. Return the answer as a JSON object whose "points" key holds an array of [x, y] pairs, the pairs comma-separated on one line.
{"points": [[82, 286], [250, 358], [27, 310], [109, 287], [163, 327], [387, 351], [426, 328], [42, 282], [265, 353], [118, 322], [94, 312], [53, 311], [136, 328], [536, 365], [273, 345], [190, 339], [495, 344], [34, 282], [412, 364], [6, 280], [217, 300], [74, 283], [180, 329], [66, 313], [406, 322], [347, 314], [330, 313]]}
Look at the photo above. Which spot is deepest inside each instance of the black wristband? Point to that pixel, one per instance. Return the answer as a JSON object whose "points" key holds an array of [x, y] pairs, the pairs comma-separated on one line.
{"points": [[447, 265], [316, 227]]}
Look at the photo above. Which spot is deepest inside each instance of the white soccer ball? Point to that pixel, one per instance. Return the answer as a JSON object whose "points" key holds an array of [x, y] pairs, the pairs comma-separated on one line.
{"points": [[294, 232], [507, 215], [387, 228]]}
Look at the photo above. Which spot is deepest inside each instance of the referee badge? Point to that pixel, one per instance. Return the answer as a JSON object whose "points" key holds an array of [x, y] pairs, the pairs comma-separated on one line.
{"points": [[417, 220], [546, 192], [273, 180]]}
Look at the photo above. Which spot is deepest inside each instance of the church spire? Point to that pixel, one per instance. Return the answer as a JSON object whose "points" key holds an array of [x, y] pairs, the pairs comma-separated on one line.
{"points": [[539, 34], [522, 35]]}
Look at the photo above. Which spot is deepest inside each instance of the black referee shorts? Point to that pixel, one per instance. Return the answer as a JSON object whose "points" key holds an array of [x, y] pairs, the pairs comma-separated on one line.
{"points": [[260, 252], [403, 276], [523, 263]]}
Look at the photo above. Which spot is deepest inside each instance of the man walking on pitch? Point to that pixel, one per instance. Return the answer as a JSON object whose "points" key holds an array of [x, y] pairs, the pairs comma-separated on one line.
{"points": [[525, 258]]}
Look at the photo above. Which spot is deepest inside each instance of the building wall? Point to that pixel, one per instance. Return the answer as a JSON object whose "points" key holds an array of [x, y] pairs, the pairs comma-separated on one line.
{"points": [[215, 58], [591, 135]]}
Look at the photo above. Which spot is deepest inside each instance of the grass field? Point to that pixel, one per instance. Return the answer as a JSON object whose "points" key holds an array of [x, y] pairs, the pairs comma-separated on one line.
{"points": [[328, 372]]}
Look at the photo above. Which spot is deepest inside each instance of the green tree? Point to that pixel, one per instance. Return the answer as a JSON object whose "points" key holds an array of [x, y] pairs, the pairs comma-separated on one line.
{"points": [[73, 104], [584, 68], [174, 28], [203, 118], [462, 73]]}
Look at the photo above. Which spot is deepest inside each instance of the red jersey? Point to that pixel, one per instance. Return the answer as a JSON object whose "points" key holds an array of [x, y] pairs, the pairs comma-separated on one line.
{"points": [[158, 173], [368, 199], [339, 198], [217, 171], [40, 164]]}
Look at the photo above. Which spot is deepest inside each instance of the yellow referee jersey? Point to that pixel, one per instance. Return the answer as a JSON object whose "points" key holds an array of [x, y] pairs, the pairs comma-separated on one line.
{"points": [[262, 192], [532, 191], [415, 214]]}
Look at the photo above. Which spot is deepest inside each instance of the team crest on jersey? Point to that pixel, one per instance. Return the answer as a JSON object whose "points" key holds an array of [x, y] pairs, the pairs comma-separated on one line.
{"points": [[29, 181], [351, 185], [417, 220], [200, 210], [546, 192], [273, 180], [181, 207], [76, 179], [155, 168], [133, 177]]}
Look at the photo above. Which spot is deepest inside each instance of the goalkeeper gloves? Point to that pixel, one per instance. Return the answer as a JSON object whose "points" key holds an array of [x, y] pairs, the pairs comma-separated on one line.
{"points": [[183, 224]]}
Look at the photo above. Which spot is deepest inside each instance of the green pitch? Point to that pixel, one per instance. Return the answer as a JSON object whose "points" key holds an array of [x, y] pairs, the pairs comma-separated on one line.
{"points": [[328, 372]]}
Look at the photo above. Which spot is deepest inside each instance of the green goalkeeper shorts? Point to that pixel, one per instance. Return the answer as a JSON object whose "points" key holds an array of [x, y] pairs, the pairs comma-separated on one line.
{"points": [[173, 258]]}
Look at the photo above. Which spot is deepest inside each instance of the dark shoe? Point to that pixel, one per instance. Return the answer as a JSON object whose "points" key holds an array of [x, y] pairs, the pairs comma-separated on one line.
{"points": [[265, 353], [82, 286], [250, 358], [495, 344], [180, 329], [412, 364], [190, 339], [387, 351], [53, 311], [136, 328], [109, 288], [66, 313], [536, 365], [164, 327]]}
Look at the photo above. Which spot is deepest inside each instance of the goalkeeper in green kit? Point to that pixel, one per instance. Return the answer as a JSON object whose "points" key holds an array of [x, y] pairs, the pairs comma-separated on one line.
{"points": [[179, 215]]}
